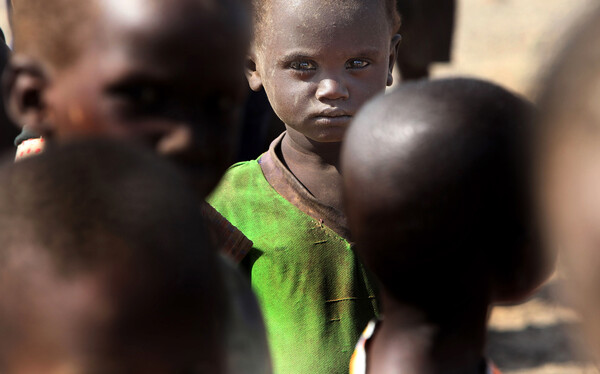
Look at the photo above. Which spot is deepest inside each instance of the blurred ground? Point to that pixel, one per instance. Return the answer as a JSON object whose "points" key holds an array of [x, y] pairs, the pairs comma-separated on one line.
{"points": [[536, 337], [511, 42]]}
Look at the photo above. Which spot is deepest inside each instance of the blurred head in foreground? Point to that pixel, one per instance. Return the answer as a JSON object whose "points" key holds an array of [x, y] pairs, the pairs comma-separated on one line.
{"points": [[165, 73], [569, 134], [438, 199], [103, 266]]}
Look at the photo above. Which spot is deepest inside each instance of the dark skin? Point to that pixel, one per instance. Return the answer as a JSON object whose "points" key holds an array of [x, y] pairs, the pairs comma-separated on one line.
{"points": [[428, 326], [317, 73], [76, 323], [316, 165], [144, 78], [106, 294], [420, 207], [410, 340], [42, 307], [154, 73]]}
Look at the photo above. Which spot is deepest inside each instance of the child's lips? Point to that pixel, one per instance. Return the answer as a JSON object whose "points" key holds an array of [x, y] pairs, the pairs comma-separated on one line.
{"points": [[333, 121], [333, 117]]}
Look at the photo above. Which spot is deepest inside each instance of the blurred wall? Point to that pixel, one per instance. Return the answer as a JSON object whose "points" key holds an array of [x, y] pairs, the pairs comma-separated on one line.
{"points": [[509, 41]]}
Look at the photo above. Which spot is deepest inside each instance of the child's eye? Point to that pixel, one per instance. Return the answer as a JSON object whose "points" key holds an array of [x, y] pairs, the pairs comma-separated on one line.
{"points": [[140, 96], [145, 96], [303, 65], [357, 64]]}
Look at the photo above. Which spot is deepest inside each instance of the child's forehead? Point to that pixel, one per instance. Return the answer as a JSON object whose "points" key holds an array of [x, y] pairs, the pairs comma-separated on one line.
{"points": [[174, 22], [312, 22], [162, 17], [179, 35], [310, 13], [320, 9]]}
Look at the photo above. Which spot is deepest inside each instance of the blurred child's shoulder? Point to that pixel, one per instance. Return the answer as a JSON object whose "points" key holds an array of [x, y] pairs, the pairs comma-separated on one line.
{"points": [[241, 176], [242, 169], [243, 186]]}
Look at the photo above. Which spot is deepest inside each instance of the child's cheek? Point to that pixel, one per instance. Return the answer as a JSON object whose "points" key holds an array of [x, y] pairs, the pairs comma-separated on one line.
{"points": [[291, 97]]}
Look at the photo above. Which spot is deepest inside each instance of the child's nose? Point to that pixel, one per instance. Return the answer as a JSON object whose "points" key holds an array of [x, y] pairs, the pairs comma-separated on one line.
{"points": [[331, 89]]}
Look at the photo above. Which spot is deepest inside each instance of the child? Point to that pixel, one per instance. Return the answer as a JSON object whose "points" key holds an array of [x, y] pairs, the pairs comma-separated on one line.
{"points": [[437, 192], [143, 78], [149, 72], [569, 155], [98, 274], [318, 62]]}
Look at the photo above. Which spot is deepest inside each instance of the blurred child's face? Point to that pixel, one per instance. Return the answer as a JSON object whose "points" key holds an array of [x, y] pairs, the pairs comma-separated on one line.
{"points": [[320, 63], [166, 73], [571, 197]]}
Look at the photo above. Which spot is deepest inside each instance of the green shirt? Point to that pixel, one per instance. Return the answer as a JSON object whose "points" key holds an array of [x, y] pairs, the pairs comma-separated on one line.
{"points": [[315, 294]]}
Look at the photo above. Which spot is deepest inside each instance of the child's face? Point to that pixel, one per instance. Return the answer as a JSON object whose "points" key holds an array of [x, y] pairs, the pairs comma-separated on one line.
{"points": [[570, 191], [319, 64], [166, 73]]}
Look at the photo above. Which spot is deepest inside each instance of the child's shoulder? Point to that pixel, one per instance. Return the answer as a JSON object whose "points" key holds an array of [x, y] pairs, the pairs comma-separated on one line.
{"points": [[242, 169], [249, 202], [240, 177], [243, 187]]}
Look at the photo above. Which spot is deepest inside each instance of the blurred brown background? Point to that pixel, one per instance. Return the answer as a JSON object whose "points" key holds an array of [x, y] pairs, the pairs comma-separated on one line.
{"points": [[509, 41]]}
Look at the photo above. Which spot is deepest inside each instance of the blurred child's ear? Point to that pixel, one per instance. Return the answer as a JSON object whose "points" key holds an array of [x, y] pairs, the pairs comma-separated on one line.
{"points": [[252, 74], [393, 56], [24, 82]]}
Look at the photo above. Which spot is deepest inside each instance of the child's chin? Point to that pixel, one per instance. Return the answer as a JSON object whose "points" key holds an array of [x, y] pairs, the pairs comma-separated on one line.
{"points": [[331, 135]]}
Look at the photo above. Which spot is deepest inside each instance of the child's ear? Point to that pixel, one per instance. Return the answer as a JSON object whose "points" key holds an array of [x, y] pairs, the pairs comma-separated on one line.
{"points": [[393, 56], [24, 83], [252, 74]]}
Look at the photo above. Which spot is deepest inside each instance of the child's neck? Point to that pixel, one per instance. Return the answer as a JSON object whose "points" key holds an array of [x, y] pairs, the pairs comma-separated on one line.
{"points": [[315, 165], [412, 340]]}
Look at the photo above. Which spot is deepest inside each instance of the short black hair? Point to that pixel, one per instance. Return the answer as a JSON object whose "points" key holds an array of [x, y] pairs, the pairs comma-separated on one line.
{"points": [[440, 169], [261, 9], [99, 205], [73, 195]]}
